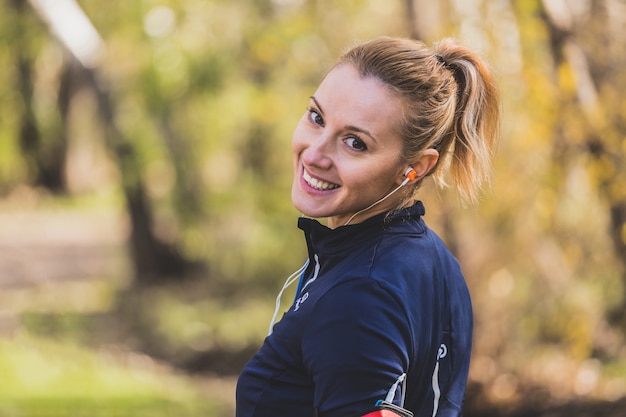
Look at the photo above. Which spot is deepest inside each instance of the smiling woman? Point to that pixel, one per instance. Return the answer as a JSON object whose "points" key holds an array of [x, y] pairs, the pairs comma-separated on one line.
{"points": [[382, 320], [347, 148]]}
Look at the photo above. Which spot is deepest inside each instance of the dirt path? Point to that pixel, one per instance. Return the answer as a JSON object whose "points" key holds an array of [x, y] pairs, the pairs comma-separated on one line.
{"points": [[43, 247]]}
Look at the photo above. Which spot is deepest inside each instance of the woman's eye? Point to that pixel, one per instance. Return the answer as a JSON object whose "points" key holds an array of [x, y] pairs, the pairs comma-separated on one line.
{"points": [[356, 144], [315, 117]]}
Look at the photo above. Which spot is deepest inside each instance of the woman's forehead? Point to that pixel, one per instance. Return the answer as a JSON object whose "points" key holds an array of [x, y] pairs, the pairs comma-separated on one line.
{"points": [[344, 92]]}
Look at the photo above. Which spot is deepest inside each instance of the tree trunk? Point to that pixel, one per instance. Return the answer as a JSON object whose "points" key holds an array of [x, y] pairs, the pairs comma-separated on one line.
{"points": [[153, 259]]}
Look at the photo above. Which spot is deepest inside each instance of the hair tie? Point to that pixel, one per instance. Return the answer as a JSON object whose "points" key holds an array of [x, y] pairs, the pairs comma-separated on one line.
{"points": [[442, 61]]}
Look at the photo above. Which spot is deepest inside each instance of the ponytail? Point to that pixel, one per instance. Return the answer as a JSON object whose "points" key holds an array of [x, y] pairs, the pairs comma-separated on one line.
{"points": [[476, 118]]}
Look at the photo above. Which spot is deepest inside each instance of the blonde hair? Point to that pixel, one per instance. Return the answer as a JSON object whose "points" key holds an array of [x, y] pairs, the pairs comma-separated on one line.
{"points": [[450, 103]]}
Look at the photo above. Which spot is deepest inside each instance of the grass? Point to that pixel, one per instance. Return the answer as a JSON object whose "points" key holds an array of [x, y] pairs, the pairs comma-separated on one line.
{"points": [[43, 377]]}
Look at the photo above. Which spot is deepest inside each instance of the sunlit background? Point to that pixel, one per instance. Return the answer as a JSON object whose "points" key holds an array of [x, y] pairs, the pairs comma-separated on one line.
{"points": [[145, 218]]}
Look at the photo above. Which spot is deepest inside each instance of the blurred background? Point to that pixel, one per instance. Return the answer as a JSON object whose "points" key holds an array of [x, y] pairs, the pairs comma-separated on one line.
{"points": [[145, 218]]}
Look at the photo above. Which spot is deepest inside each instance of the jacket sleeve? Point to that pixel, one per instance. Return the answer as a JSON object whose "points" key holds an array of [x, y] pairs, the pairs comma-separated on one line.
{"points": [[355, 347]]}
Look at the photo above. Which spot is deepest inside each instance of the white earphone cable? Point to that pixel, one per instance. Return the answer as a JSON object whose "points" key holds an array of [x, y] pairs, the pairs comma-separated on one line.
{"points": [[406, 180], [290, 280]]}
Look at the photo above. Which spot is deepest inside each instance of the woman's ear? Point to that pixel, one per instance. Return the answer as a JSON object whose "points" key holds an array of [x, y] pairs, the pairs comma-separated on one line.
{"points": [[423, 165]]}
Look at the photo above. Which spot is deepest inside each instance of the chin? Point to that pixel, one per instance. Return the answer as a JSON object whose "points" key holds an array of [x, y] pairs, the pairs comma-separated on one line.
{"points": [[307, 210]]}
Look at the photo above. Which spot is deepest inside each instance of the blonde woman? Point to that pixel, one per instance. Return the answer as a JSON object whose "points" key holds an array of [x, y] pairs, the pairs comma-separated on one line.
{"points": [[382, 320]]}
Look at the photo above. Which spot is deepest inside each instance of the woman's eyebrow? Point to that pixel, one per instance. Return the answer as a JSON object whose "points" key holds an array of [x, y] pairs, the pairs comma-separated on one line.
{"points": [[317, 104], [348, 127]]}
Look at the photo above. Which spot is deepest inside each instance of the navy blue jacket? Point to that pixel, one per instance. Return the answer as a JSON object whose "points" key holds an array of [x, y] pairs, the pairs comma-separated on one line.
{"points": [[380, 298]]}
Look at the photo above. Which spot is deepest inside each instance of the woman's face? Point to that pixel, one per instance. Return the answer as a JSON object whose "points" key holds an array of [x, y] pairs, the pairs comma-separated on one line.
{"points": [[347, 149]]}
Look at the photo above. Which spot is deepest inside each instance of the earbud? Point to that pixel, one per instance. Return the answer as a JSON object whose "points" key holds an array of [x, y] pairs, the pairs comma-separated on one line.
{"points": [[410, 175]]}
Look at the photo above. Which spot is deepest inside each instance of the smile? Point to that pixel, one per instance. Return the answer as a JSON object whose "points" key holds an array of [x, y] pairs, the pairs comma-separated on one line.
{"points": [[318, 184]]}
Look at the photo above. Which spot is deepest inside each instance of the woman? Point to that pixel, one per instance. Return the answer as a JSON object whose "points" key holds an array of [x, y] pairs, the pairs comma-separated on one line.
{"points": [[382, 316]]}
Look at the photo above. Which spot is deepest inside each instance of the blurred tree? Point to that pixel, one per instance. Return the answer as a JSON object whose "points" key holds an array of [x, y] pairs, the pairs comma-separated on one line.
{"points": [[587, 41], [43, 151], [153, 259]]}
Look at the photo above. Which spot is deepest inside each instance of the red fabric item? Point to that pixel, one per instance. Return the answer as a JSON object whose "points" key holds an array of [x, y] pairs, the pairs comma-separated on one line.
{"points": [[382, 413]]}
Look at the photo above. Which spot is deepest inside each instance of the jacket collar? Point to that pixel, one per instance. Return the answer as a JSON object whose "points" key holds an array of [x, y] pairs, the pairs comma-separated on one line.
{"points": [[321, 238]]}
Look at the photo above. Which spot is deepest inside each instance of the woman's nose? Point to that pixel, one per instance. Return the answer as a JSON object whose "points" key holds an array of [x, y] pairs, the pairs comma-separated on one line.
{"points": [[318, 153]]}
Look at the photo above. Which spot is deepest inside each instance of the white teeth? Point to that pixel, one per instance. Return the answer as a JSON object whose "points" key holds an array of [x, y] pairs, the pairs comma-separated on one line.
{"points": [[318, 184]]}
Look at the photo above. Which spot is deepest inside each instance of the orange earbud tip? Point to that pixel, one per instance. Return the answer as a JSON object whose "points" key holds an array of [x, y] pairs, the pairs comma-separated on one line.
{"points": [[411, 174]]}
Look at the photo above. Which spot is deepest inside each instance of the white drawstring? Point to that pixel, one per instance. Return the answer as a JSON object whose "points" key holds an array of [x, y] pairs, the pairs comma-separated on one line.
{"points": [[441, 353], [292, 278], [316, 272]]}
